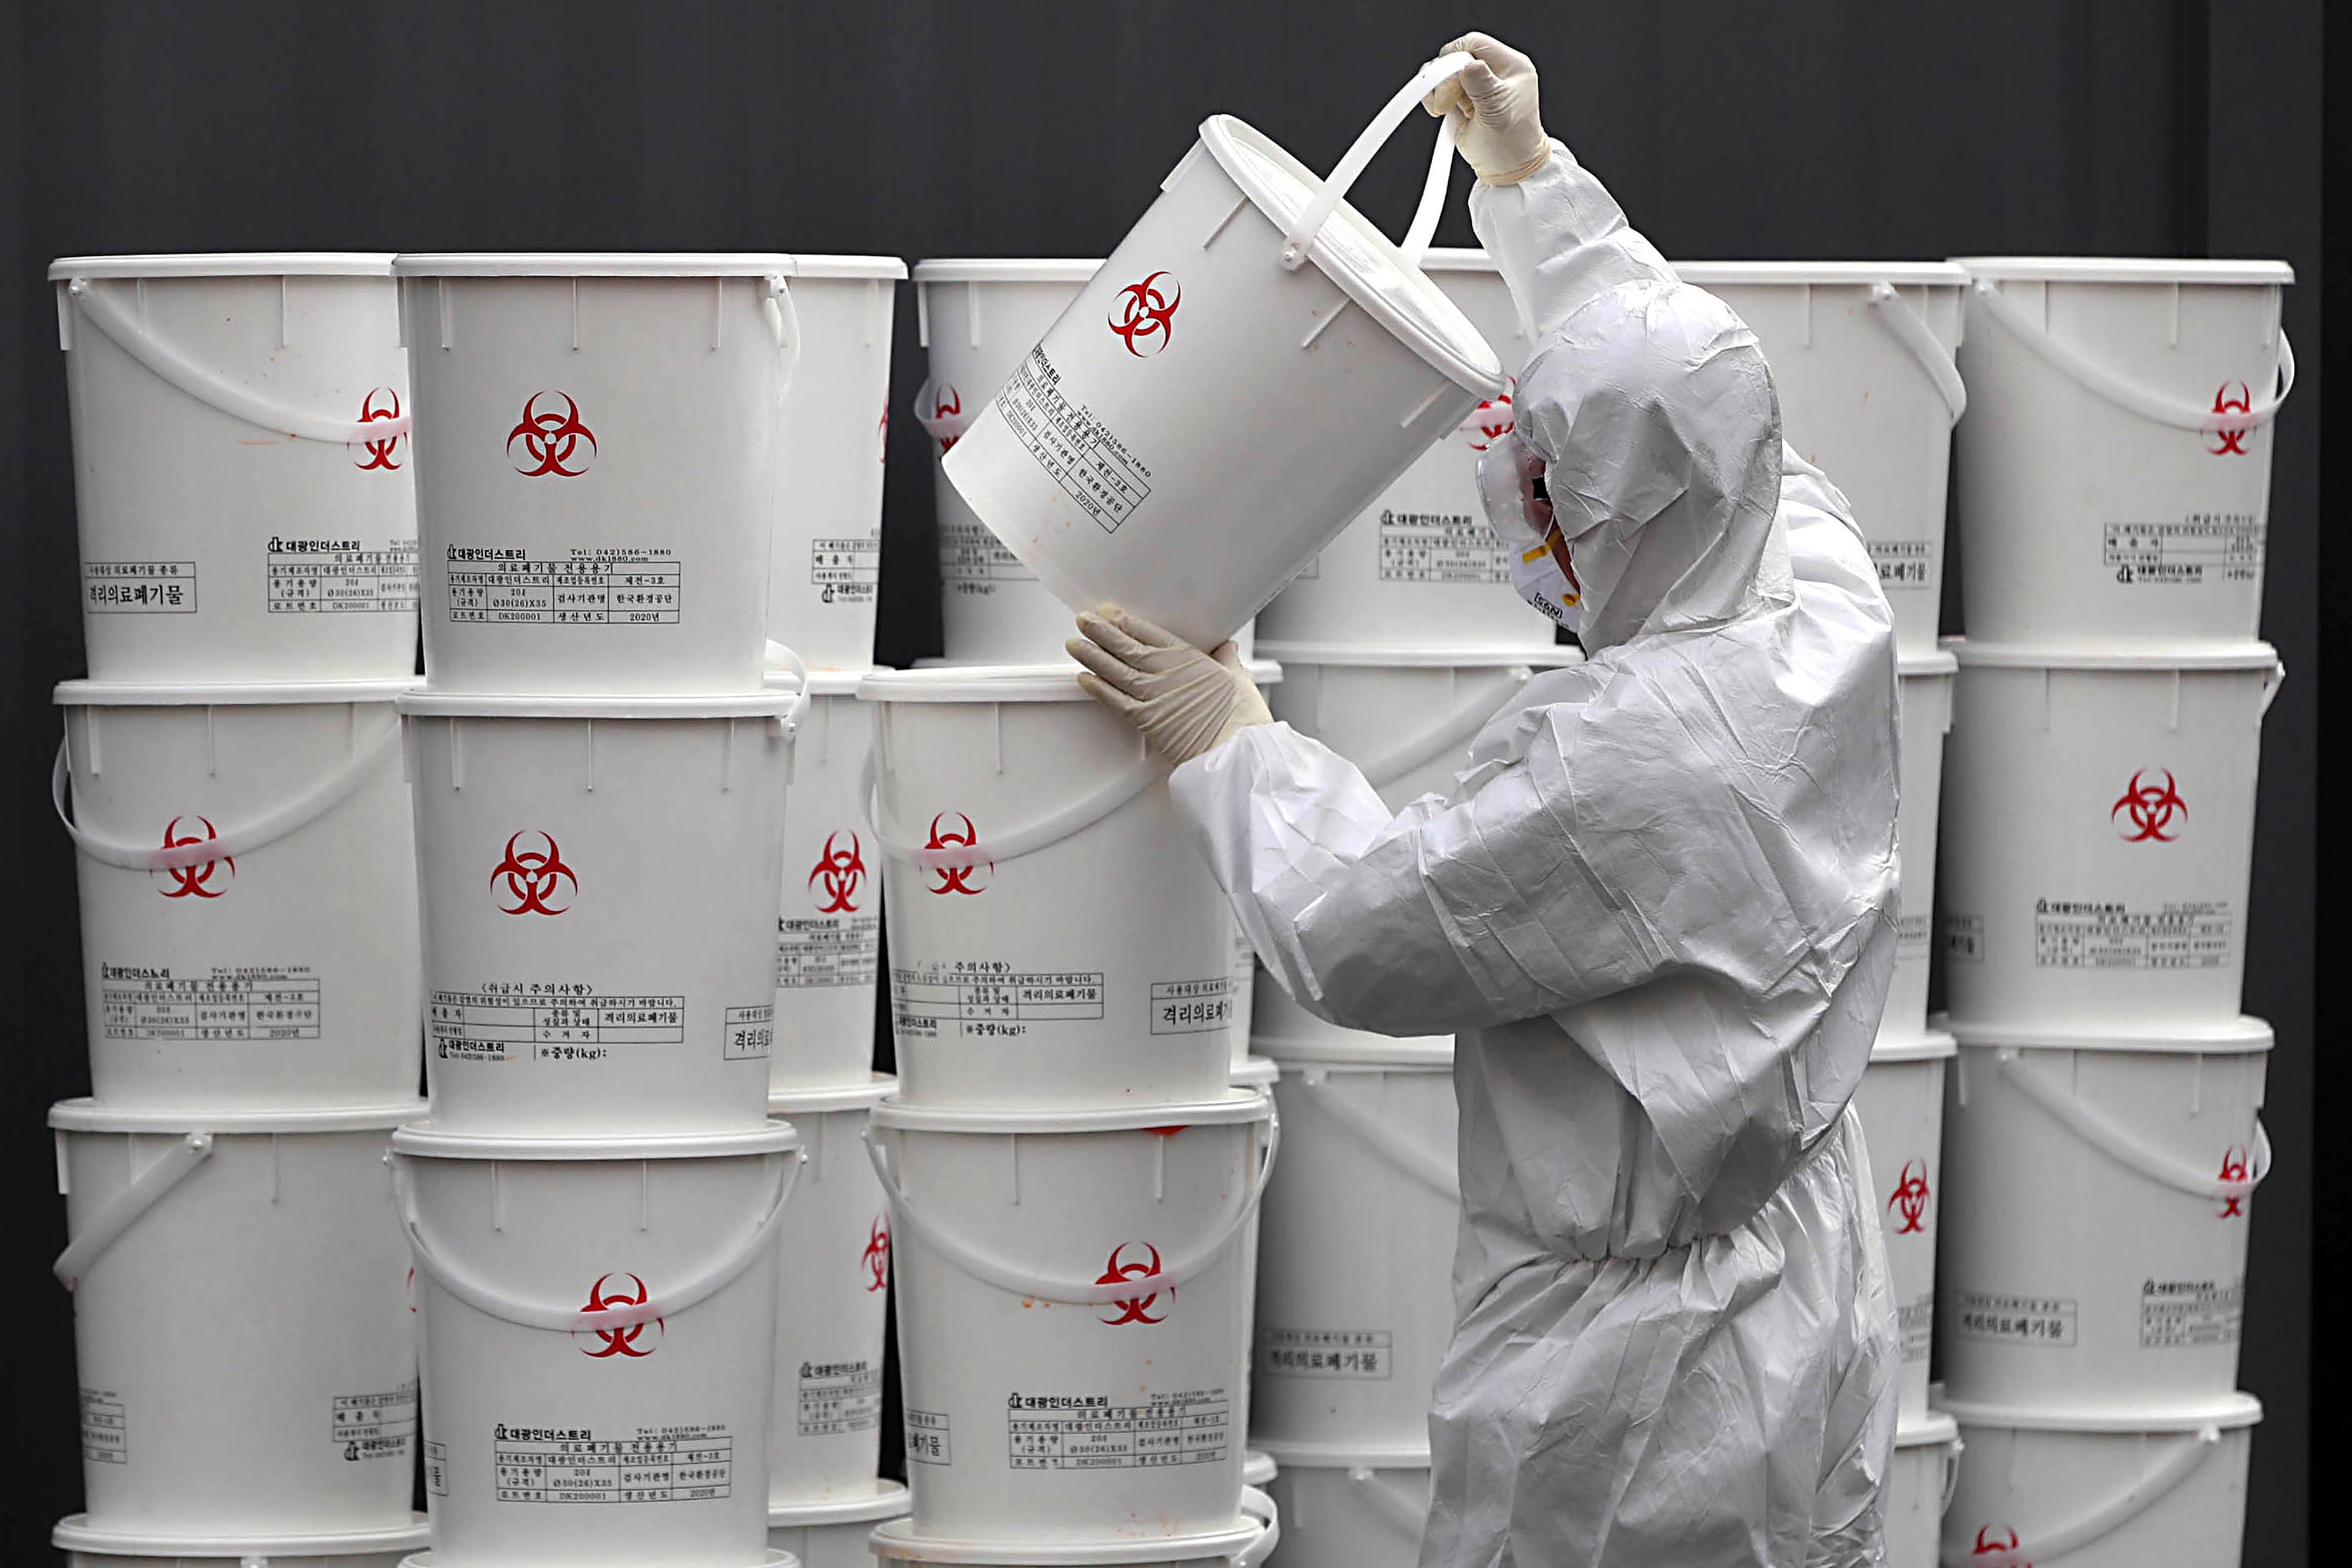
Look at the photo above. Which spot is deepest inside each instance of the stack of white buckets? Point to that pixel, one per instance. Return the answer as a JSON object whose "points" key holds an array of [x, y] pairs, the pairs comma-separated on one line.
{"points": [[2102, 1140]]}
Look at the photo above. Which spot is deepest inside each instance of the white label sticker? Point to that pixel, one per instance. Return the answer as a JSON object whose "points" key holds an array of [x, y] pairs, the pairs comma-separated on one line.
{"points": [[1963, 938], [1352, 1353], [105, 1428], [2020, 1320], [2202, 547], [1914, 1322], [549, 1024], [2096, 934], [1441, 548], [1192, 1007], [1911, 935], [824, 951], [1904, 563], [374, 1425], [847, 570], [838, 1396], [750, 1032], [616, 587], [138, 587], [572, 1464], [341, 576], [143, 1001], [926, 1438], [2191, 1315], [436, 1468], [1090, 464], [971, 558], [982, 1000], [1088, 1432]]}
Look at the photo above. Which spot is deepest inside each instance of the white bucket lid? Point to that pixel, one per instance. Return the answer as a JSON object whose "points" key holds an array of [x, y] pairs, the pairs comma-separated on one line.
{"points": [[1258, 1467], [1239, 1105], [1345, 1456], [87, 1115], [1935, 1045], [228, 264], [242, 694], [424, 1141], [896, 1541], [945, 683], [2121, 269], [827, 682], [75, 1534], [1006, 270], [1355, 1049], [1263, 672], [2240, 1036], [1458, 258], [426, 703], [1937, 1427], [1369, 656], [1941, 662], [1256, 1073], [870, 267], [1823, 274], [790, 1103], [2223, 655], [592, 263], [889, 1500], [1364, 262], [2226, 1411]]}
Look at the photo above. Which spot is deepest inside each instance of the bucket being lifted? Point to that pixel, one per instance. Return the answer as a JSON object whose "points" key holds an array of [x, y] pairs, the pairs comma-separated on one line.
{"points": [[1901, 1104], [1250, 366], [599, 511], [241, 466], [85, 1547], [833, 1534], [1919, 1487], [1923, 689], [829, 925], [2115, 473], [1350, 1504]]}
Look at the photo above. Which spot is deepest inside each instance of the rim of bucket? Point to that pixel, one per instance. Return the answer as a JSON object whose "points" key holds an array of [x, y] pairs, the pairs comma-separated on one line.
{"points": [[1824, 274], [88, 1115], [1557, 656], [1237, 1107], [240, 694], [882, 267], [424, 1141], [1258, 1466], [1370, 269], [1309, 1455], [1007, 270], [75, 1534], [945, 682], [2122, 269], [790, 1103], [591, 264], [1256, 1073], [228, 264], [889, 1500], [1936, 1426], [1354, 1049], [2243, 1036], [771, 1557], [2229, 655], [827, 682], [425, 702], [1935, 1045], [1263, 672], [1942, 662], [895, 1540], [2227, 1411]]}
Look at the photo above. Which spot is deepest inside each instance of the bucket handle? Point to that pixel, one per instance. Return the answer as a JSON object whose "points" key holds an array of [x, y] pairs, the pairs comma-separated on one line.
{"points": [[1051, 828], [2070, 361], [1896, 313], [243, 839], [120, 1211], [1452, 733], [2117, 1146], [1028, 1284], [2142, 1495], [1405, 1155], [1307, 224], [784, 326], [944, 428], [177, 370], [489, 1299], [779, 658], [1952, 1452], [1385, 1505], [1259, 1505], [2272, 679]]}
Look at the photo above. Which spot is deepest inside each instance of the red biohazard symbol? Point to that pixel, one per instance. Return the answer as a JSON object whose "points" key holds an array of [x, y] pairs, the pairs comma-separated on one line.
{"points": [[946, 403], [882, 436], [2150, 808], [877, 1260], [1910, 1199], [1145, 315], [1138, 1311], [956, 878], [551, 440], [1491, 420], [2232, 441], [620, 1341], [194, 880], [841, 869], [1986, 1547], [379, 453], [2234, 1168], [532, 876]]}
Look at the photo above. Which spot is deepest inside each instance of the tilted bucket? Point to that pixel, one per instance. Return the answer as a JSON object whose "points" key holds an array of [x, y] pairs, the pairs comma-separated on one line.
{"points": [[1351, 1505], [826, 565], [242, 468], [1923, 689], [1072, 1309], [2100, 1186], [1862, 359], [833, 1534], [241, 1326], [2099, 808], [84, 1547], [1006, 799], [248, 892], [1919, 1487], [1248, 1543], [1355, 1299], [599, 1328], [2079, 1491], [1901, 1104], [1421, 567], [833, 1256], [601, 878], [1192, 429], [2115, 469], [829, 925], [606, 433]]}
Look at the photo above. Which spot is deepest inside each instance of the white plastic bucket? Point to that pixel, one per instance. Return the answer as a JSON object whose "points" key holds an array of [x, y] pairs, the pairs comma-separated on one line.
{"points": [[242, 468], [1010, 804], [832, 1534], [1901, 1104], [1919, 1487], [243, 1339], [832, 1257], [248, 892], [599, 1329], [829, 925], [85, 1547], [597, 511], [1248, 1543], [1191, 429], [1351, 1505], [2100, 1187], [1923, 689], [2037, 1490], [2099, 808], [1862, 359], [2115, 470], [1072, 1301], [601, 881], [826, 567], [1355, 1299], [1421, 567]]}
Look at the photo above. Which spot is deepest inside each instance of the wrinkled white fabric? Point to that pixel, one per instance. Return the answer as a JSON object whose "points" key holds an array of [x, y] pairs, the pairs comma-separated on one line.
{"points": [[1659, 905]]}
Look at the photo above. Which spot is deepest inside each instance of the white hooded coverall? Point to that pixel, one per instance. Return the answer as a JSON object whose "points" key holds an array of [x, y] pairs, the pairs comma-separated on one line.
{"points": [[1659, 908]]}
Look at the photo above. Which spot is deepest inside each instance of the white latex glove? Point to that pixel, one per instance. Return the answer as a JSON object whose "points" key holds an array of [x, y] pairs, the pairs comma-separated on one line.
{"points": [[1184, 701], [1492, 100]]}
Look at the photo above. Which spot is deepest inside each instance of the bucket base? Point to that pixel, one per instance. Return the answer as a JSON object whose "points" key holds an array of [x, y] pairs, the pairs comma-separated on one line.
{"points": [[80, 1541]]}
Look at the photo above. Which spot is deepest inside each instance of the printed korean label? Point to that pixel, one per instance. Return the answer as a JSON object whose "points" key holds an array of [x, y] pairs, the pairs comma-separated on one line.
{"points": [[138, 587], [1078, 453], [1904, 563], [549, 1023], [971, 556], [1088, 1432], [333, 577], [847, 570], [105, 1428], [1914, 1323], [148, 1001], [1441, 547], [604, 587], [750, 1032], [839, 1397], [984, 1000], [2201, 547], [2019, 1320], [1963, 938], [436, 1468], [1911, 935], [926, 1438], [573, 1464], [2092, 933], [2191, 1315], [820, 951], [374, 1425], [1193, 1006], [1358, 1354]]}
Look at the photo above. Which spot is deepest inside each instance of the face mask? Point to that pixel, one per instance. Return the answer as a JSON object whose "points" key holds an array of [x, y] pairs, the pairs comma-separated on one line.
{"points": [[1510, 483]]}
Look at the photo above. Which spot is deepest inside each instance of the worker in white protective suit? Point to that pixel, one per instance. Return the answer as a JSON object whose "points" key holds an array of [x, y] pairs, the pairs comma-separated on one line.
{"points": [[1658, 907]]}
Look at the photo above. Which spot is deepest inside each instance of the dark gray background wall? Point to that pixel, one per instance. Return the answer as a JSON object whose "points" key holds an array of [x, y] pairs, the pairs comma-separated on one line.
{"points": [[1822, 129]]}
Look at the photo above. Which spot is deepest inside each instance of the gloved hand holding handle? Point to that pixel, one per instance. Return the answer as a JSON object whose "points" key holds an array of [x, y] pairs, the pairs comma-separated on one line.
{"points": [[1492, 102], [1184, 701]]}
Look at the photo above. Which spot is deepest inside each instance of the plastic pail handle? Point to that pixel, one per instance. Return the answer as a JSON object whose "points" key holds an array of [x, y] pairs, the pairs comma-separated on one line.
{"points": [[144, 1191], [1299, 238]]}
